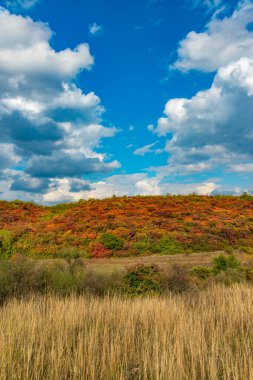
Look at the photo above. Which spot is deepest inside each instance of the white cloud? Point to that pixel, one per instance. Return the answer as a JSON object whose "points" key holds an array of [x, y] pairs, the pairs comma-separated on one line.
{"points": [[223, 41], [144, 149], [214, 127], [48, 125], [95, 28], [148, 187], [25, 50], [242, 168], [125, 184]]}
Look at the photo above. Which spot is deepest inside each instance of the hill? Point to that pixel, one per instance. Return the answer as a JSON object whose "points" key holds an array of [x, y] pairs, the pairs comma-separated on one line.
{"points": [[124, 226]]}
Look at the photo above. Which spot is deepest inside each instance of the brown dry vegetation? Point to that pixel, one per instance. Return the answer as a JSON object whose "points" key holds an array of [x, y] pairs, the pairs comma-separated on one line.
{"points": [[203, 335]]}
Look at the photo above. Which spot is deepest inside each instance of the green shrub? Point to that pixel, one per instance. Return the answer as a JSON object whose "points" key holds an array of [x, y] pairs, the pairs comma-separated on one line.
{"points": [[62, 283], [72, 257], [111, 241], [168, 246], [141, 246], [6, 243], [143, 279], [201, 272], [248, 250], [231, 276], [229, 250], [222, 263]]}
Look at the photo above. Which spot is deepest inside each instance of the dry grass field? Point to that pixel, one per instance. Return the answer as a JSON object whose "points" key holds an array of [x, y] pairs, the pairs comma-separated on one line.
{"points": [[109, 265], [203, 335]]}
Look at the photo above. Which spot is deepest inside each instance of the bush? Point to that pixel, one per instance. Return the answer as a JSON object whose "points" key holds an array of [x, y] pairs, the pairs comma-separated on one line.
{"points": [[101, 284], [16, 277], [222, 263], [72, 258], [141, 247], [6, 243], [231, 276], [143, 279], [177, 280], [168, 246], [111, 241], [98, 250], [248, 250], [201, 272]]}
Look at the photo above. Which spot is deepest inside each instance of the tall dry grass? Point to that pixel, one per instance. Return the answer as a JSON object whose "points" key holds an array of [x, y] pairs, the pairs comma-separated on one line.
{"points": [[207, 335]]}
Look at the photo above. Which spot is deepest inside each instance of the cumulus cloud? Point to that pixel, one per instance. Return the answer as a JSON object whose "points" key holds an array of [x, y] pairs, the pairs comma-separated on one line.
{"points": [[30, 185], [48, 125], [8, 157], [223, 41], [125, 184], [213, 129], [148, 187], [64, 164], [215, 126]]}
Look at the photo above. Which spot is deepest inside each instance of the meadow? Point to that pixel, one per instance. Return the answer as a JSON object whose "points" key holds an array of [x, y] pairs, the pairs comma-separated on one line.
{"points": [[127, 288], [197, 335]]}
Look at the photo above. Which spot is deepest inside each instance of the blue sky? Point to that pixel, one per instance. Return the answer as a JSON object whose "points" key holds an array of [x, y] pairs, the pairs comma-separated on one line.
{"points": [[129, 97]]}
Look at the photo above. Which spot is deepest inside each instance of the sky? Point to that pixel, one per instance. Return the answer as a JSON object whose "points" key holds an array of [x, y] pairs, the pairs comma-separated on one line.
{"points": [[125, 97]]}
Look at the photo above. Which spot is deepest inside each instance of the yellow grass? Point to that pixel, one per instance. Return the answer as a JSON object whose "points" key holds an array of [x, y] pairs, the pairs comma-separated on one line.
{"points": [[207, 335]]}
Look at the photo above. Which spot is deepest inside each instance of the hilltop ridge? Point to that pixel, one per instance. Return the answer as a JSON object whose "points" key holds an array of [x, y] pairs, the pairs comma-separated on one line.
{"points": [[124, 226]]}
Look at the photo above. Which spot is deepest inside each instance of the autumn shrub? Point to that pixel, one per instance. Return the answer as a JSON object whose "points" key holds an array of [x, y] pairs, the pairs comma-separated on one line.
{"points": [[98, 250], [143, 279], [128, 225]]}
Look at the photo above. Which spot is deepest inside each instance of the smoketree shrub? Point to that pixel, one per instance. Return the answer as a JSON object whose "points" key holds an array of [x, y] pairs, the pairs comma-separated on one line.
{"points": [[143, 279]]}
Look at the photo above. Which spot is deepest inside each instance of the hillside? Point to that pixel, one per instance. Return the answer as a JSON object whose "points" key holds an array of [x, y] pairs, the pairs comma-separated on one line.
{"points": [[124, 226]]}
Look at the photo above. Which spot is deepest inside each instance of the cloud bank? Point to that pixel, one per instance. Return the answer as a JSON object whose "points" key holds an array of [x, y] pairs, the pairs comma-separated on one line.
{"points": [[49, 128], [213, 130]]}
